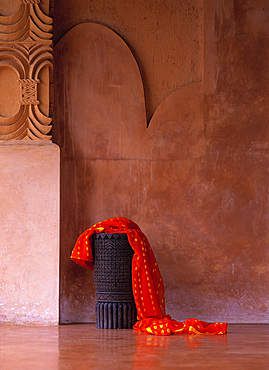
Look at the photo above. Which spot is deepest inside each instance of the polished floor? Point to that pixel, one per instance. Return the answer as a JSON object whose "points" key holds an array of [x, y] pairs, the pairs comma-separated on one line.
{"points": [[85, 347]]}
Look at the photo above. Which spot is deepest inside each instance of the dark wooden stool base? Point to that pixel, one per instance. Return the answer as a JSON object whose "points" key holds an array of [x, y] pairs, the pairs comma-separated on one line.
{"points": [[115, 308], [115, 315]]}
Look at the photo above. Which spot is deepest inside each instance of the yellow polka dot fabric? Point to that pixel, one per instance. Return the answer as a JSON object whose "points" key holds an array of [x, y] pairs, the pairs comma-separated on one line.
{"points": [[148, 287]]}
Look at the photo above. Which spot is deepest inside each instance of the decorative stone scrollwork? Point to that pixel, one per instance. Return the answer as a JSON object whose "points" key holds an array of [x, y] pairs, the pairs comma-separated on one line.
{"points": [[26, 50], [29, 1]]}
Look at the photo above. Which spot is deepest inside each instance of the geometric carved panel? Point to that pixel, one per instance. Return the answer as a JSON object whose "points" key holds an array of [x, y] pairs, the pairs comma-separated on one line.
{"points": [[28, 91], [26, 49]]}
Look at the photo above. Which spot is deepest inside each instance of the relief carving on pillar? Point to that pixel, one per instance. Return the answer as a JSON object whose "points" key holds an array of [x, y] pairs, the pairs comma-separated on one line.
{"points": [[26, 61]]}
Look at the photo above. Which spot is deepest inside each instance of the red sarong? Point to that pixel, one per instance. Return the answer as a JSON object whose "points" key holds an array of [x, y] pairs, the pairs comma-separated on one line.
{"points": [[148, 287]]}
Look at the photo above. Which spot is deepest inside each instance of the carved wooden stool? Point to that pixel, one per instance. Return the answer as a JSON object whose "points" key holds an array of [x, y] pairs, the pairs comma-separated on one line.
{"points": [[112, 256]]}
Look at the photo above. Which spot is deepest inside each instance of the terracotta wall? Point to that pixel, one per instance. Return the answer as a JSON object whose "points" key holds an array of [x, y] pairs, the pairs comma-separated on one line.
{"points": [[29, 238], [195, 180]]}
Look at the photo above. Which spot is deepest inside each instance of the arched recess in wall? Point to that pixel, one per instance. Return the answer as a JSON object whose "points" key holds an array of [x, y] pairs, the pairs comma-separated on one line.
{"points": [[166, 38]]}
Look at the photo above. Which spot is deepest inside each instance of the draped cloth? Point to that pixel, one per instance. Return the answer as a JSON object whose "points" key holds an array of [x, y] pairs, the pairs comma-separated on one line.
{"points": [[147, 283]]}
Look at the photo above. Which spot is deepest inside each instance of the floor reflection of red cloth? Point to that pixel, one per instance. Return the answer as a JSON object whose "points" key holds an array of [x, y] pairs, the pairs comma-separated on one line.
{"points": [[148, 287], [195, 341]]}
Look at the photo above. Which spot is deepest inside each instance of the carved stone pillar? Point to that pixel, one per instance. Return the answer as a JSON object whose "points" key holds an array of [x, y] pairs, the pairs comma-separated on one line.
{"points": [[29, 167]]}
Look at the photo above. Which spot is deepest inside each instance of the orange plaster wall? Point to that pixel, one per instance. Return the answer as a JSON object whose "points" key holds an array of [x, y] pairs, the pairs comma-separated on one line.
{"points": [[29, 238], [195, 180]]}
